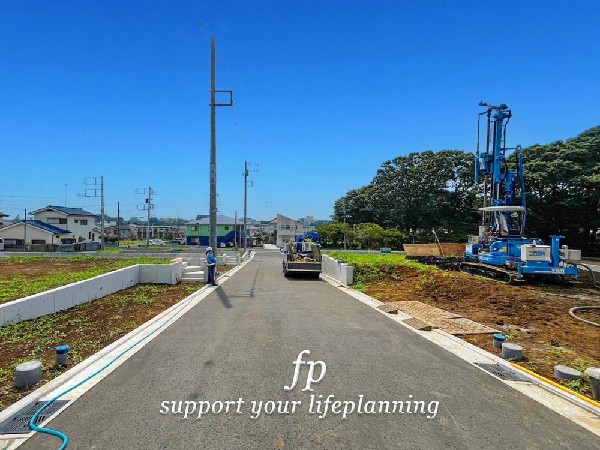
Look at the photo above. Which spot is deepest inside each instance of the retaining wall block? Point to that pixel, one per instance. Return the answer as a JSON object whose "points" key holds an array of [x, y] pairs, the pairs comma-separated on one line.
{"points": [[43, 303], [18, 311]]}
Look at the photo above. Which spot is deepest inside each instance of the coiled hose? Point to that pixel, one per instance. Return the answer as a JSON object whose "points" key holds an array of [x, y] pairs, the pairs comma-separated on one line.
{"points": [[589, 269], [584, 308]]}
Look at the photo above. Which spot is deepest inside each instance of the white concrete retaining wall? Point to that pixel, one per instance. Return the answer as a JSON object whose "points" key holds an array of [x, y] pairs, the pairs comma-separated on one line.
{"points": [[333, 268], [85, 291]]}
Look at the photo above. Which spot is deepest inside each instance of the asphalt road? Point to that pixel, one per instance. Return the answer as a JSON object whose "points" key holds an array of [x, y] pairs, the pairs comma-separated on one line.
{"points": [[241, 341]]}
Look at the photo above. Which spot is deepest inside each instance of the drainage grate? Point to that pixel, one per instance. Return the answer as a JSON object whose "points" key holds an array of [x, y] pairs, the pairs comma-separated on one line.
{"points": [[504, 373], [19, 424]]}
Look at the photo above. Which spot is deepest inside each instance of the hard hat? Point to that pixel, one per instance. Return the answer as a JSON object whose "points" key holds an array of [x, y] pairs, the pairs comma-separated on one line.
{"points": [[209, 249]]}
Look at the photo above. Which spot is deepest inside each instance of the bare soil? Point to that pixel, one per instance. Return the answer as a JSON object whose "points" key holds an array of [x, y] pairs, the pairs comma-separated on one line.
{"points": [[87, 328], [39, 268], [534, 316]]}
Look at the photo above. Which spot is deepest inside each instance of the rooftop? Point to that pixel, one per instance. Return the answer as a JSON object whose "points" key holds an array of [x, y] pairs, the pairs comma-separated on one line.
{"points": [[221, 220], [68, 211], [47, 227]]}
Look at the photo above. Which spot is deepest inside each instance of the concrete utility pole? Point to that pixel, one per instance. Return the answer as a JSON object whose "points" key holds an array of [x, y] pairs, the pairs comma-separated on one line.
{"points": [[344, 223], [118, 224], [213, 146], [235, 241], [245, 205]]}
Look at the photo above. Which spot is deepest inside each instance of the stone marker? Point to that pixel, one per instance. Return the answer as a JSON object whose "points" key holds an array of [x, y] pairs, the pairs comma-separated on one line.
{"points": [[28, 373], [512, 351], [567, 373]]}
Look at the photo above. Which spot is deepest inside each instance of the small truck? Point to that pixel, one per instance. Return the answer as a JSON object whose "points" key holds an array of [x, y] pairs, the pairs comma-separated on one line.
{"points": [[302, 257]]}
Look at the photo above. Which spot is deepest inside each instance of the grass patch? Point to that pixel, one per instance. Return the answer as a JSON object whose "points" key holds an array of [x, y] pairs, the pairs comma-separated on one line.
{"points": [[373, 267], [57, 272]]}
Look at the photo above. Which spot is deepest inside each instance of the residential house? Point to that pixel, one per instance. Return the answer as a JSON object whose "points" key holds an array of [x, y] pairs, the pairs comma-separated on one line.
{"points": [[33, 233], [80, 223], [286, 229]]}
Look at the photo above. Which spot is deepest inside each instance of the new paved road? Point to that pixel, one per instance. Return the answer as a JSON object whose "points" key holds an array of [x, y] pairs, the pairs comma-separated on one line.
{"points": [[240, 342]]}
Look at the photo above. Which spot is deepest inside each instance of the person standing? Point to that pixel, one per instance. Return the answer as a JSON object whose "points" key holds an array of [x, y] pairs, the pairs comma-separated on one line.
{"points": [[211, 262]]}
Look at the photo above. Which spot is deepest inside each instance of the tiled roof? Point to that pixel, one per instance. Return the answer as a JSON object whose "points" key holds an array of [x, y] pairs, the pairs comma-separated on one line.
{"points": [[69, 211], [47, 227]]}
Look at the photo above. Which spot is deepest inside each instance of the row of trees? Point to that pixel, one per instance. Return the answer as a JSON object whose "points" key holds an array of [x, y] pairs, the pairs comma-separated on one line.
{"points": [[412, 194]]}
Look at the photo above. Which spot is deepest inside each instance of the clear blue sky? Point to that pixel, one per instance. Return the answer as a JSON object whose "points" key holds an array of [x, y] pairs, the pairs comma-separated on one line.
{"points": [[325, 91]]}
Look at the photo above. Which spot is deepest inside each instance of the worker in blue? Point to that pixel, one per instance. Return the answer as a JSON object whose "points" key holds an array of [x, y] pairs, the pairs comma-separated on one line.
{"points": [[211, 262]]}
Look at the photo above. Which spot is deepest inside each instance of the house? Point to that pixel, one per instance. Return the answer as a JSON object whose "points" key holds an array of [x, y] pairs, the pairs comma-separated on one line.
{"points": [[79, 222], [197, 232], [285, 229], [32, 233]]}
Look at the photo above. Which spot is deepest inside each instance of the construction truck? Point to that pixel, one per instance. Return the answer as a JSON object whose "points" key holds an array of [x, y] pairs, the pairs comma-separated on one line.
{"points": [[501, 250], [303, 256]]}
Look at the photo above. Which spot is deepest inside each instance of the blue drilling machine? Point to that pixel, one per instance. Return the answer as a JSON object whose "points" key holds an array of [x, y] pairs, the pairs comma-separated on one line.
{"points": [[501, 250]]}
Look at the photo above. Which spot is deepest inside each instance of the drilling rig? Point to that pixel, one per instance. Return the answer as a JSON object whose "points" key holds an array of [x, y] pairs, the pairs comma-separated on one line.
{"points": [[501, 250]]}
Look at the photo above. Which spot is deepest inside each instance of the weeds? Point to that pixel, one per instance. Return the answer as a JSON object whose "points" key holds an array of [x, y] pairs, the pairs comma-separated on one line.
{"points": [[19, 285]]}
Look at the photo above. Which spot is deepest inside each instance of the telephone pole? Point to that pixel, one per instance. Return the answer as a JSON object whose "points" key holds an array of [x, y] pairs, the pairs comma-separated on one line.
{"points": [[92, 186], [246, 173], [245, 205], [147, 206], [213, 146]]}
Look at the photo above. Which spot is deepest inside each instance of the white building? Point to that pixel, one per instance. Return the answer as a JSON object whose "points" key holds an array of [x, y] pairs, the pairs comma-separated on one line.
{"points": [[32, 232], [79, 223], [286, 229]]}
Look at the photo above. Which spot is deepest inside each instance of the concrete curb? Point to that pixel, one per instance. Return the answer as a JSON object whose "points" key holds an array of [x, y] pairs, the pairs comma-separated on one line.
{"points": [[566, 404]]}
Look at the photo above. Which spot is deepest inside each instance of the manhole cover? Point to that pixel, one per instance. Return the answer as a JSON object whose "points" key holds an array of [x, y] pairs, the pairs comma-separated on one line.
{"points": [[502, 372], [19, 424]]}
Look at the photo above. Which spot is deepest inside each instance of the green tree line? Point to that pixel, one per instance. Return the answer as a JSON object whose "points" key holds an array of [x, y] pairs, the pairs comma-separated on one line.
{"points": [[413, 194]]}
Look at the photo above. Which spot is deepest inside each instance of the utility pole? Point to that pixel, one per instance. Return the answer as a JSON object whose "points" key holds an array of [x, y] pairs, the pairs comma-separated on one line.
{"points": [[235, 243], [245, 205], [147, 206], [246, 173], [25, 230], [344, 223], [213, 146], [118, 224], [96, 184]]}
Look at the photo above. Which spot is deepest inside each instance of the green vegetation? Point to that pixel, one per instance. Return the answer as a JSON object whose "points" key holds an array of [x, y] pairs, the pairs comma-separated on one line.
{"points": [[372, 267], [423, 190], [19, 285]]}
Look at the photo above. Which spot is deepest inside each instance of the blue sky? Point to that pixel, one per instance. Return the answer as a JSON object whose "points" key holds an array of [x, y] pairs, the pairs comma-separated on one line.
{"points": [[324, 91]]}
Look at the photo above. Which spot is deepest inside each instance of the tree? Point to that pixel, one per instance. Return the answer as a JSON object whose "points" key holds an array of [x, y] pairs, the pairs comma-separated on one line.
{"points": [[563, 190], [418, 191]]}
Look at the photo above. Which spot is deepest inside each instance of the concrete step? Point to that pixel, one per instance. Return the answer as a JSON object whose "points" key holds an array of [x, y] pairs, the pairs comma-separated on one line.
{"points": [[192, 280], [193, 273], [192, 269]]}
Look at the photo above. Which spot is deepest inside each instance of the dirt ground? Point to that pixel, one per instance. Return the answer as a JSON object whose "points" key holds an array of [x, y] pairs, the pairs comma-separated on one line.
{"points": [[534, 316], [87, 328]]}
